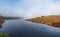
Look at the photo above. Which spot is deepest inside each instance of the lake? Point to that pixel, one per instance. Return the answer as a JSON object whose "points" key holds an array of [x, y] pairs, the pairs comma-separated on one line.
{"points": [[22, 28]]}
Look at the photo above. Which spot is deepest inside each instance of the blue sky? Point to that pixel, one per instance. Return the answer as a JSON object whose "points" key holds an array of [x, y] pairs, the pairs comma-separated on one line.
{"points": [[9, 2], [29, 8]]}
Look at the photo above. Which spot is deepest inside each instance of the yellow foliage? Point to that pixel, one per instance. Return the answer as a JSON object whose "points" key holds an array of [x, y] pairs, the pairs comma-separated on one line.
{"points": [[46, 19], [1, 22]]}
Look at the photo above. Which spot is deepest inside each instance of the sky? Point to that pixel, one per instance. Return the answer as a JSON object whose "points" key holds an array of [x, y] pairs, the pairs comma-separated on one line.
{"points": [[29, 8]]}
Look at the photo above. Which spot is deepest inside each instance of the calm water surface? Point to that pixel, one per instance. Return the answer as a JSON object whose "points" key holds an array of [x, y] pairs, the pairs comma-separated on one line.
{"points": [[22, 28]]}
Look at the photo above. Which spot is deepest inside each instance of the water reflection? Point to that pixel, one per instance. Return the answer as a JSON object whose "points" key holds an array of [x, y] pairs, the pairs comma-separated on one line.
{"points": [[22, 28]]}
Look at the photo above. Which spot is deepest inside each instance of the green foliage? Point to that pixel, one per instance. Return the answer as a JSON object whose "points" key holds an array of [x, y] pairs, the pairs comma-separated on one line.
{"points": [[3, 34]]}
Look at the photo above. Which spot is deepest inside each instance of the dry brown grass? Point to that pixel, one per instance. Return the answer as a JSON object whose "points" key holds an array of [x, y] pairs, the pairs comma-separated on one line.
{"points": [[49, 20]]}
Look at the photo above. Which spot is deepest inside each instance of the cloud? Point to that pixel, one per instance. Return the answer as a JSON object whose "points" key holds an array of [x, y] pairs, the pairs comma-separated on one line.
{"points": [[37, 8], [30, 8], [7, 9]]}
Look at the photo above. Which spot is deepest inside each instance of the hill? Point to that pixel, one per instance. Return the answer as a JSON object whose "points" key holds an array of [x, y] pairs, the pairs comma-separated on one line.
{"points": [[53, 20]]}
